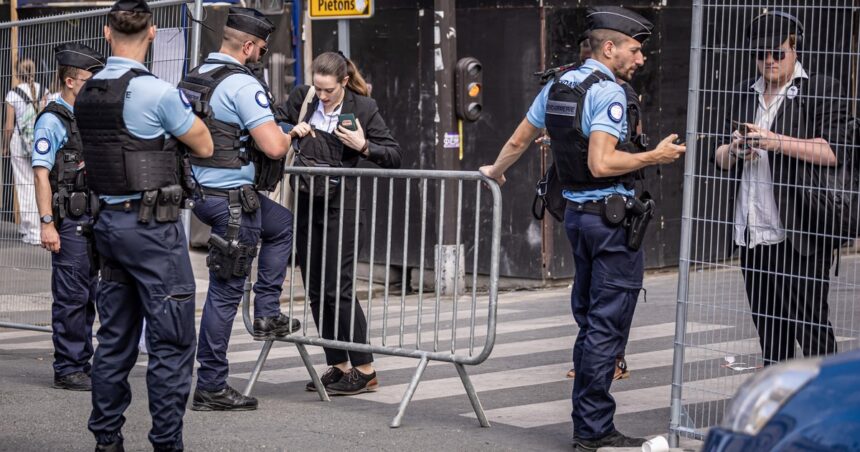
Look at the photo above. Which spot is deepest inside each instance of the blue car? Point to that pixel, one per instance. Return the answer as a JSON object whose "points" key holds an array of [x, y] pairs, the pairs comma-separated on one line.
{"points": [[802, 405]]}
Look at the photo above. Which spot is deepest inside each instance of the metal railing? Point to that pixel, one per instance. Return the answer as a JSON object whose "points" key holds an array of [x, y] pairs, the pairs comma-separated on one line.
{"points": [[403, 207], [762, 257], [25, 268]]}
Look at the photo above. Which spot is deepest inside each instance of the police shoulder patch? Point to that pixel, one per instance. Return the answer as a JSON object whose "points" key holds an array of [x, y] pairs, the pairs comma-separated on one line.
{"points": [[261, 99], [616, 111], [184, 98], [42, 146]]}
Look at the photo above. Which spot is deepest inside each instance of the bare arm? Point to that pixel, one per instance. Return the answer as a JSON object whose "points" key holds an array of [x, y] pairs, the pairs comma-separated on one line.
{"points": [[198, 140], [513, 149], [606, 161], [50, 238], [271, 140]]}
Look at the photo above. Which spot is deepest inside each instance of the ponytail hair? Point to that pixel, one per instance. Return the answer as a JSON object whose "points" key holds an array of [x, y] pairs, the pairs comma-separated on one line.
{"points": [[27, 74], [339, 66]]}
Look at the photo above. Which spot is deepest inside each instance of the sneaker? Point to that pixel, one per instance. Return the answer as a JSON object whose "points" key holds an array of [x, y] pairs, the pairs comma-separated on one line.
{"points": [[77, 381], [332, 375], [614, 439], [354, 383], [115, 446], [227, 399], [621, 371], [267, 328]]}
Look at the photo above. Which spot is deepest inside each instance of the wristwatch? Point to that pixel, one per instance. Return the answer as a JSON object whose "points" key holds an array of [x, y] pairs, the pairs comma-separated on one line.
{"points": [[47, 219]]}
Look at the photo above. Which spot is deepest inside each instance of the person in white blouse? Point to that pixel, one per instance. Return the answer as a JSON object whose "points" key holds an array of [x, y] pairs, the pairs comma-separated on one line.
{"points": [[23, 104]]}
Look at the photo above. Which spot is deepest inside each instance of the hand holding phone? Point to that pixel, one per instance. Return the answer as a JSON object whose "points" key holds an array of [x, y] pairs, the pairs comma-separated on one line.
{"points": [[741, 127]]}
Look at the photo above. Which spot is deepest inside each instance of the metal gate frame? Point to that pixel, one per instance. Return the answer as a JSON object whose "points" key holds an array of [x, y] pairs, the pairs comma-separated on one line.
{"points": [[424, 357]]}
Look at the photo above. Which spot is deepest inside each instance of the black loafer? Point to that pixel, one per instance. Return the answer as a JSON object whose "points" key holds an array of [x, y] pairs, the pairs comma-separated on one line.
{"points": [[77, 381], [614, 439], [267, 328], [331, 376], [227, 399]]}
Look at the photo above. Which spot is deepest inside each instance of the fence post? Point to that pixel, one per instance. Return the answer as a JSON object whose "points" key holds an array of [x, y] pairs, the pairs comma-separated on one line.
{"points": [[686, 223]]}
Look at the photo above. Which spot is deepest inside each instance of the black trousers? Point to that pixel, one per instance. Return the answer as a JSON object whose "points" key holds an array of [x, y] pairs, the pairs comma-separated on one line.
{"points": [[338, 309], [787, 293]]}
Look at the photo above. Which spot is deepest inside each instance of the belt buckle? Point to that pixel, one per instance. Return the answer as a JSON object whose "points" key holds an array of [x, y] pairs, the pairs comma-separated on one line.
{"points": [[126, 205]]}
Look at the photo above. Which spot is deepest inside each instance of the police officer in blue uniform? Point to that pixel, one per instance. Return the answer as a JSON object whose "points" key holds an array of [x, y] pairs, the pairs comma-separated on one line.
{"points": [[585, 115], [248, 143], [134, 127], [63, 201]]}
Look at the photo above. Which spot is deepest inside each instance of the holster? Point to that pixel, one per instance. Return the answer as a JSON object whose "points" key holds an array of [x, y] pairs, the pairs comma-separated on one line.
{"points": [[639, 214], [85, 230], [227, 257]]}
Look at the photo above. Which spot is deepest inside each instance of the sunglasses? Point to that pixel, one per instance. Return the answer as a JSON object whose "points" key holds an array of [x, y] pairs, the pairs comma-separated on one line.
{"points": [[263, 51], [778, 54]]}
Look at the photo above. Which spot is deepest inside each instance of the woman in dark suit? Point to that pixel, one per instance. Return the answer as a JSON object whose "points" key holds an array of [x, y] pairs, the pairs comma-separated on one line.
{"points": [[338, 89]]}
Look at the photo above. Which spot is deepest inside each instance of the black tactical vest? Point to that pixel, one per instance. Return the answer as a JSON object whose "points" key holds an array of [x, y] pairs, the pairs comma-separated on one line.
{"points": [[117, 162], [564, 108], [232, 149], [68, 169]]}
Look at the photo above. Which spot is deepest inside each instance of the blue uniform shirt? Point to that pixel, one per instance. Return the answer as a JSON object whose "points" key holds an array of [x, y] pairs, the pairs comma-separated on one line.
{"points": [[152, 108], [50, 136], [239, 99], [601, 112]]}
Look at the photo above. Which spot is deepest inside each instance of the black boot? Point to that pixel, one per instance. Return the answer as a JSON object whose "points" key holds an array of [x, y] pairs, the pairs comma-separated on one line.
{"points": [[267, 328], [77, 381]]}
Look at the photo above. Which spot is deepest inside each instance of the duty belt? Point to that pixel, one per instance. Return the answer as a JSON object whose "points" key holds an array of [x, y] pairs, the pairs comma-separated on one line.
{"points": [[132, 205], [592, 207]]}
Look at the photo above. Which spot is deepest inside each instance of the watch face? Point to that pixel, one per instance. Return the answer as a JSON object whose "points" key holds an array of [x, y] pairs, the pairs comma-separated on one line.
{"points": [[47, 219]]}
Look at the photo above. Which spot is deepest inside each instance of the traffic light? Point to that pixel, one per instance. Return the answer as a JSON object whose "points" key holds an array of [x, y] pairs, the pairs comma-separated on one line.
{"points": [[470, 89]]}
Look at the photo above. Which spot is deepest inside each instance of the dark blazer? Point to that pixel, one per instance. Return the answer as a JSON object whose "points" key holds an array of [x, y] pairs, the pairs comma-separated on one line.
{"points": [[818, 110], [383, 149]]}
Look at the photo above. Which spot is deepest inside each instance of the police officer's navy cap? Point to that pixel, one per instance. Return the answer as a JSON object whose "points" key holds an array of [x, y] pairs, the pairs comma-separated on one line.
{"points": [[79, 56], [771, 29], [621, 20], [250, 21], [132, 6]]}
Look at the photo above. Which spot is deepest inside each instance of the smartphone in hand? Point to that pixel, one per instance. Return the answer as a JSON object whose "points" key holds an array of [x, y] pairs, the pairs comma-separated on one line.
{"points": [[741, 127], [347, 121]]}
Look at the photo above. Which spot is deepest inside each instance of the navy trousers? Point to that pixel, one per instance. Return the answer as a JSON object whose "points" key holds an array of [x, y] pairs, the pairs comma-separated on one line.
{"points": [[274, 257], [161, 290], [73, 310], [605, 289], [223, 297]]}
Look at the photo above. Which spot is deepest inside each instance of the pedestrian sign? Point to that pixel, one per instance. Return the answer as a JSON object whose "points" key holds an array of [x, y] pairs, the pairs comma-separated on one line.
{"points": [[340, 9]]}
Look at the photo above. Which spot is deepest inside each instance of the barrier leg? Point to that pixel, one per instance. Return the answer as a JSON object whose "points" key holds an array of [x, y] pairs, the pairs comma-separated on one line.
{"points": [[255, 374], [473, 396], [410, 390], [313, 372]]}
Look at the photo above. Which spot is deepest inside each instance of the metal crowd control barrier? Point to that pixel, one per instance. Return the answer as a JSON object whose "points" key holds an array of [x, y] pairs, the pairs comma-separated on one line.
{"points": [[428, 328], [27, 62], [747, 295]]}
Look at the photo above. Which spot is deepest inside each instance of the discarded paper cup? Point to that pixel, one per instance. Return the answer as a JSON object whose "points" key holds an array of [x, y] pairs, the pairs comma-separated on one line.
{"points": [[656, 444]]}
